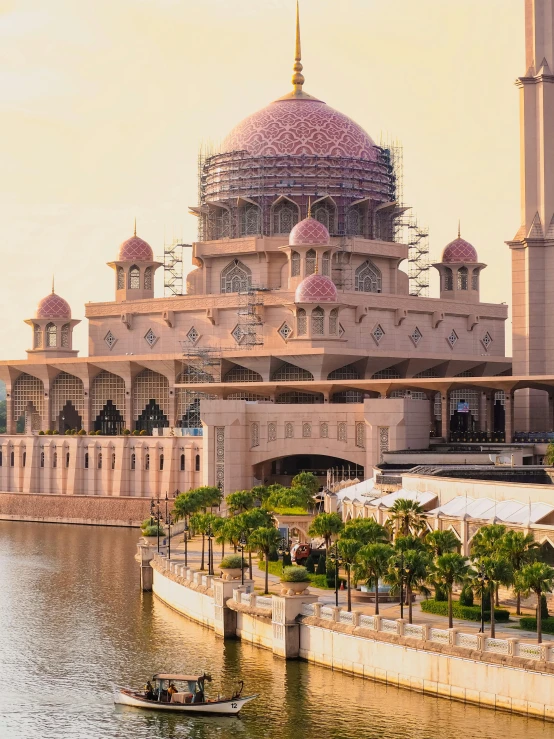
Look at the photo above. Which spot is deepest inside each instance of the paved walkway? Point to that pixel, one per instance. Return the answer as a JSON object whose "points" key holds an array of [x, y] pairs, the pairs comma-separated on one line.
{"points": [[387, 610]]}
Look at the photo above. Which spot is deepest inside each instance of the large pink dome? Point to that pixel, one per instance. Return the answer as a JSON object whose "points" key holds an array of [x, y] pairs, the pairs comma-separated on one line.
{"points": [[308, 232], [460, 250], [135, 249], [52, 306], [300, 126], [316, 289]]}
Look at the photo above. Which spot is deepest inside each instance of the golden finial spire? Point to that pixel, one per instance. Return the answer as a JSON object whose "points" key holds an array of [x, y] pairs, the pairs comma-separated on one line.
{"points": [[309, 206], [135, 231], [298, 77], [316, 263], [459, 231], [52, 284]]}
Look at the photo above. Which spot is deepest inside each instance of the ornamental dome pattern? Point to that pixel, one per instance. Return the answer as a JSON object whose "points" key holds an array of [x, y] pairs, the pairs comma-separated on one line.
{"points": [[460, 250], [298, 126], [52, 306], [135, 249], [309, 232], [316, 289]]}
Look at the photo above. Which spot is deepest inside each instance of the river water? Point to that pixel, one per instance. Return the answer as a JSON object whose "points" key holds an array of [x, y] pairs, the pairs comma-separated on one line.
{"points": [[73, 622]]}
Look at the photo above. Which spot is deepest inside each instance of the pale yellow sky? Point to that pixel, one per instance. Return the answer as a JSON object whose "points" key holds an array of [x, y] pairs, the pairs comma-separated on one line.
{"points": [[104, 104]]}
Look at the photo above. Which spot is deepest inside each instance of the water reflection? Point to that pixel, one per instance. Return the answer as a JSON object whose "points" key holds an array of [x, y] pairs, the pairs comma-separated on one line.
{"points": [[73, 623]]}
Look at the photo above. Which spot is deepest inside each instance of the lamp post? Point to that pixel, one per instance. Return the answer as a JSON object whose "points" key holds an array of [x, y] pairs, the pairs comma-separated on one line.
{"points": [[334, 556], [483, 580], [155, 511], [284, 548], [186, 531], [209, 535], [241, 547], [402, 573], [169, 521]]}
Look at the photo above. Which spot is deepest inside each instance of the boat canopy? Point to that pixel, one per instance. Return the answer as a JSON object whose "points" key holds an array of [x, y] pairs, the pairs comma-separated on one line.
{"points": [[169, 676]]}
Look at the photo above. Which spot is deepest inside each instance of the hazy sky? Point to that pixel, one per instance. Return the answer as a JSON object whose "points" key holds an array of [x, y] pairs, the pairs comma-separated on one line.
{"points": [[104, 104]]}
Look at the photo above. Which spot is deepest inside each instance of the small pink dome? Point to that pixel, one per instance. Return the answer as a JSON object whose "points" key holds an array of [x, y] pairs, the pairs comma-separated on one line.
{"points": [[135, 249], [52, 306], [308, 232], [316, 289], [460, 250]]}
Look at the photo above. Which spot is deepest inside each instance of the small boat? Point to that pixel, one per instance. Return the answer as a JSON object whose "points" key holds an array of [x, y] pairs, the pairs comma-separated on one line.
{"points": [[181, 694]]}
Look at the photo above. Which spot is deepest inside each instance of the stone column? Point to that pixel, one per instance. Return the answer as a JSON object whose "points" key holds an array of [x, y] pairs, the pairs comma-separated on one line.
{"points": [[129, 405], [10, 421], [509, 416], [550, 425], [225, 620], [445, 415], [286, 630], [146, 574], [483, 414]]}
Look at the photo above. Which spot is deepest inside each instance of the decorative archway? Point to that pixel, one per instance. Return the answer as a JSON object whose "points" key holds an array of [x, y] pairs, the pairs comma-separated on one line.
{"points": [[68, 418], [152, 417], [109, 421]]}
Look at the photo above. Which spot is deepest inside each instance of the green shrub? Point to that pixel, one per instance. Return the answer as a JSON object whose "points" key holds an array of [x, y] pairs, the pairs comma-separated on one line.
{"points": [[295, 574], [273, 555], [530, 624], [232, 562], [469, 613], [126, 432], [135, 432], [41, 433], [320, 569], [153, 530], [441, 593], [466, 596], [82, 432], [310, 564], [67, 432], [142, 432]]}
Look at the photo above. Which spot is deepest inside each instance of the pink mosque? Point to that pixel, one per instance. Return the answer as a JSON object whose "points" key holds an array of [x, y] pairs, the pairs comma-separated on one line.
{"points": [[301, 345]]}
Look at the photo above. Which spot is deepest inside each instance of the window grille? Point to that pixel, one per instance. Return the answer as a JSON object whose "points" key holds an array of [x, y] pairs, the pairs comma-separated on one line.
{"points": [[469, 396], [193, 375], [285, 331], [285, 217], [37, 343], [99, 460], [67, 388], [448, 279], [324, 430], [367, 278], [301, 322], [378, 333], [348, 372], [51, 335], [318, 318], [387, 374], [310, 262], [236, 277], [416, 336], [486, 340], [133, 461], [113, 461], [107, 388], [341, 431], [326, 264], [134, 278], [289, 431], [333, 321], [242, 374], [110, 340], [306, 430], [27, 389], [150, 338], [426, 373], [246, 396], [86, 460], [42, 459], [475, 279], [296, 397], [152, 417], [290, 373], [148, 278], [355, 222], [255, 434], [462, 278], [295, 264], [120, 278], [324, 212], [146, 461], [452, 338], [348, 396], [249, 218], [272, 432], [360, 435], [65, 336]]}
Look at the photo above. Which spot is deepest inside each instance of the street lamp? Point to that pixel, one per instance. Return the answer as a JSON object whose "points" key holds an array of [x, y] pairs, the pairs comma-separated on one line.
{"points": [[334, 557], [209, 535], [241, 547], [186, 530], [483, 580], [155, 512], [403, 572], [284, 548], [169, 521]]}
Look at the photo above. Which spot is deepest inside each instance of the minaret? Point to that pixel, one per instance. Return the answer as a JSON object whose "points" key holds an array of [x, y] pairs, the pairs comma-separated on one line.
{"points": [[533, 245]]}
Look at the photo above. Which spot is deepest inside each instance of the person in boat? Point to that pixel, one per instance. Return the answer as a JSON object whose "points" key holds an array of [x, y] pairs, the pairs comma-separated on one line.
{"points": [[171, 691], [149, 691]]}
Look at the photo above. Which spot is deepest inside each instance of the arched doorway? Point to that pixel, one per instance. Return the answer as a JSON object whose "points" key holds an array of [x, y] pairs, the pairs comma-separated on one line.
{"points": [[109, 421], [68, 418], [283, 469]]}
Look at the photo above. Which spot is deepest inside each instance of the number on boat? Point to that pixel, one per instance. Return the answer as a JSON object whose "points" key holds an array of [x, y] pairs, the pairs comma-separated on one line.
{"points": [[233, 705]]}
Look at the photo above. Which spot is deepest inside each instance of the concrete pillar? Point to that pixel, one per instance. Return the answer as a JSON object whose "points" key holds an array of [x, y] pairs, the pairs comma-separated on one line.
{"points": [[129, 406], [490, 411], [286, 630], [146, 573], [445, 415], [86, 419], [509, 415], [550, 426], [10, 420], [483, 415]]}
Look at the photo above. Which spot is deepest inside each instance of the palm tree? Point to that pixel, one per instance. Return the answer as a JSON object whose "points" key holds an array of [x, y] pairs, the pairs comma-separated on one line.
{"points": [[201, 522], [240, 501], [372, 563], [487, 543], [499, 571], [451, 569], [519, 549], [247, 523], [416, 567], [538, 578], [406, 515], [348, 550], [184, 506], [326, 525], [264, 539], [366, 531], [441, 542]]}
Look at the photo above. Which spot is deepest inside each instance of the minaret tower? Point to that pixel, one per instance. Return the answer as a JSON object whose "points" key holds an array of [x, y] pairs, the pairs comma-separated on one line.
{"points": [[533, 245]]}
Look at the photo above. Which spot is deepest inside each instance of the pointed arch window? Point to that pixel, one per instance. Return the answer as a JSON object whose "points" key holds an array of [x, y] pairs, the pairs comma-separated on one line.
{"points": [[197, 463], [148, 278], [37, 342], [113, 461], [463, 278], [67, 458], [310, 262], [86, 460], [65, 336], [182, 462], [368, 278], [236, 277], [12, 459], [42, 459], [475, 280], [161, 462], [301, 322], [448, 279], [295, 264], [285, 217], [133, 461], [100, 460], [324, 212], [134, 278], [326, 264], [51, 335], [55, 459], [249, 218], [318, 319], [333, 321], [147, 462], [120, 278]]}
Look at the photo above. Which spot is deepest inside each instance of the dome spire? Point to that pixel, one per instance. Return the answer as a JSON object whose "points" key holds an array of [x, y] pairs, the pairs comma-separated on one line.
{"points": [[52, 284], [459, 231], [298, 78], [135, 231]]}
